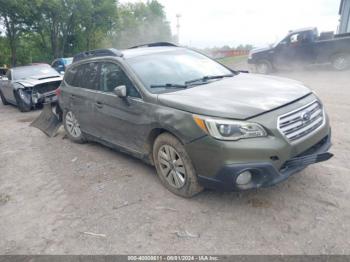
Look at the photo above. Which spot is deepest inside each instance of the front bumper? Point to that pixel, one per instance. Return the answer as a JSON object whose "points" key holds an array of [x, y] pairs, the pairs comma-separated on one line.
{"points": [[251, 61], [48, 97], [265, 174], [271, 159]]}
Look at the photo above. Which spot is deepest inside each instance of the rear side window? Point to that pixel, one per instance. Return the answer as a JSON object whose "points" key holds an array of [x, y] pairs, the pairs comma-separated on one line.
{"points": [[85, 76], [69, 76], [90, 76], [112, 76]]}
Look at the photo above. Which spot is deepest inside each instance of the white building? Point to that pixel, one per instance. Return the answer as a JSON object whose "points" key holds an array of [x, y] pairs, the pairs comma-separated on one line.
{"points": [[344, 11]]}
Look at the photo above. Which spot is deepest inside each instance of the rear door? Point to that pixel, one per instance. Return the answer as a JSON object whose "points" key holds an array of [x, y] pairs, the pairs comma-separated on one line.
{"points": [[120, 121], [79, 96]]}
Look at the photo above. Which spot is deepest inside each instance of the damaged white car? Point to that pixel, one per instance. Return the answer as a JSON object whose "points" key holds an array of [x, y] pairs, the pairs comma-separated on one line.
{"points": [[28, 87]]}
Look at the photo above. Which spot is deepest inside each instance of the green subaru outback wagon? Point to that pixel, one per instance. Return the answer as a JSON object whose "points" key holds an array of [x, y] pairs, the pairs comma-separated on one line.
{"points": [[201, 124]]}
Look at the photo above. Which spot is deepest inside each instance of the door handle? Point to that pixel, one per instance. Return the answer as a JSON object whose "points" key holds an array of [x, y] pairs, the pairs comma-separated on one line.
{"points": [[98, 104]]}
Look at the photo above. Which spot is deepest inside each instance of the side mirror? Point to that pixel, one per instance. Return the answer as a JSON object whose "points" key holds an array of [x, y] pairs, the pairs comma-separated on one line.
{"points": [[120, 91]]}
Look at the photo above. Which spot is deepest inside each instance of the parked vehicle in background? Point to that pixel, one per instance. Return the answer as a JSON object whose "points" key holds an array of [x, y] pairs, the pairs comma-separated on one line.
{"points": [[3, 71], [200, 123], [60, 64], [29, 86], [303, 47]]}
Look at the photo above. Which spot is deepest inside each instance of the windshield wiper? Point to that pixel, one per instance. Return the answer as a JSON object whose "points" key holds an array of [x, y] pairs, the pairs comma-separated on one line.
{"points": [[169, 86], [206, 78]]}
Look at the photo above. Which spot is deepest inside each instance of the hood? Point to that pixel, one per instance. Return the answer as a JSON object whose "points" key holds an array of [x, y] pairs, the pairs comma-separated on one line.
{"points": [[37, 80], [239, 97], [261, 49]]}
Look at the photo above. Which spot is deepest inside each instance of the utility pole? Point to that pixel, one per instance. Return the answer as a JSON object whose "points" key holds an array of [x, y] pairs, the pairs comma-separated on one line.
{"points": [[178, 16]]}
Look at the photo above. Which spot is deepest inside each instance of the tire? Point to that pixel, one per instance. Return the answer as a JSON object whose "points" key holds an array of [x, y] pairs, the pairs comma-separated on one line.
{"points": [[3, 99], [263, 67], [72, 127], [340, 62], [21, 104], [174, 166]]}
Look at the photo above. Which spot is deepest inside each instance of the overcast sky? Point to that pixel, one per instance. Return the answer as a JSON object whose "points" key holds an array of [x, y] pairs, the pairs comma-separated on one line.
{"points": [[209, 23]]}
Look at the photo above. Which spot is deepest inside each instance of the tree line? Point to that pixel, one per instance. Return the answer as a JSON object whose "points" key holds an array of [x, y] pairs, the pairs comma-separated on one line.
{"points": [[41, 30]]}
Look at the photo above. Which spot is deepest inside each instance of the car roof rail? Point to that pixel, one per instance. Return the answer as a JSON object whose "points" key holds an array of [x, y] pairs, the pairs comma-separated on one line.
{"points": [[156, 44], [97, 53]]}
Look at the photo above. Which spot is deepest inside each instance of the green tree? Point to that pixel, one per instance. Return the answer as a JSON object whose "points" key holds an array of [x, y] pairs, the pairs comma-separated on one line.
{"points": [[97, 18], [141, 23], [11, 17]]}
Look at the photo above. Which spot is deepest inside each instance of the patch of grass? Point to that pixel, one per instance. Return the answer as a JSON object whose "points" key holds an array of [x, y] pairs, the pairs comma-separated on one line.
{"points": [[232, 60]]}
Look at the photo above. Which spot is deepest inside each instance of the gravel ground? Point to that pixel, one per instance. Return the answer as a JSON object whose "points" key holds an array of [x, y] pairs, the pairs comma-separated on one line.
{"points": [[57, 197]]}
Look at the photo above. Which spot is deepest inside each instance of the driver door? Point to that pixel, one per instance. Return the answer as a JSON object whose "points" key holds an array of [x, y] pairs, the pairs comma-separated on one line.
{"points": [[285, 54]]}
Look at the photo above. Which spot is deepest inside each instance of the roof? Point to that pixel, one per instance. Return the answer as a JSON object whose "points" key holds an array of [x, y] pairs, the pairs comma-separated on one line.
{"points": [[304, 29], [130, 53], [134, 51]]}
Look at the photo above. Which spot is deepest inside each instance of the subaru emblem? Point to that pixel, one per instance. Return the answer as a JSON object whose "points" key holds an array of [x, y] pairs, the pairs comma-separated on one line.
{"points": [[306, 116]]}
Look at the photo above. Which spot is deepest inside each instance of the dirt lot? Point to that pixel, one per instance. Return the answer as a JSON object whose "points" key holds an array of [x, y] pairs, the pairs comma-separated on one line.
{"points": [[57, 197]]}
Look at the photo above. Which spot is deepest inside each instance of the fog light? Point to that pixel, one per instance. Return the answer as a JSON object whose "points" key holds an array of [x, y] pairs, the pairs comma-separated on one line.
{"points": [[244, 178]]}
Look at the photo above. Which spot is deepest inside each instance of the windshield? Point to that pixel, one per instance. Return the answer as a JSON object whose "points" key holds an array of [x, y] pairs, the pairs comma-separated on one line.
{"points": [[175, 67], [33, 71]]}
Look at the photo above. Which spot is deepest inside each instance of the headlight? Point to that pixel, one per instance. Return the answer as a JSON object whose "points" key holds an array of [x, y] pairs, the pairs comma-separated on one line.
{"points": [[224, 129]]}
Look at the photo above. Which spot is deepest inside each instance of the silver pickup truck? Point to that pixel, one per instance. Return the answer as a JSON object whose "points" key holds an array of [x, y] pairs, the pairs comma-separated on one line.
{"points": [[29, 86]]}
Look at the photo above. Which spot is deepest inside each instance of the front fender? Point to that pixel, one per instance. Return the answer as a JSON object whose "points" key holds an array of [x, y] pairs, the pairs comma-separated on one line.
{"points": [[179, 123]]}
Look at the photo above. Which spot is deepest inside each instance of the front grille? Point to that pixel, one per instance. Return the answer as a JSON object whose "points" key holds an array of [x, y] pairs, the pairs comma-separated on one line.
{"points": [[301, 122], [47, 87]]}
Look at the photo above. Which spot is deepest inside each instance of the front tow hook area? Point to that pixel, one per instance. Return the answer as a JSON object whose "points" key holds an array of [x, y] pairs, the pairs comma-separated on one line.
{"points": [[50, 119]]}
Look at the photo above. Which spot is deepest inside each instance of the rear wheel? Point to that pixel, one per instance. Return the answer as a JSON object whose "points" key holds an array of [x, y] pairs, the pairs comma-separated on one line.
{"points": [[72, 127], [263, 67], [23, 101], [341, 62], [174, 166], [3, 99]]}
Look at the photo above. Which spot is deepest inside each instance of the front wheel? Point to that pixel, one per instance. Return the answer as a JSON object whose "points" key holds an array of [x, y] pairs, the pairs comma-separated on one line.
{"points": [[341, 62], [263, 67], [23, 100], [174, 166], [72, 127]]}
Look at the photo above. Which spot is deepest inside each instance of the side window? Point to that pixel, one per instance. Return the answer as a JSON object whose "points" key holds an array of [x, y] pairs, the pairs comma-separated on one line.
{"points": [[294, 39], [112, 76], [85, 76], [78, 76], [90, 76], [69, 76]]}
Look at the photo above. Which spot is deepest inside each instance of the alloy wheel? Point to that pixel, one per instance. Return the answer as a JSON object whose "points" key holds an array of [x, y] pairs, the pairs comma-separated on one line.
{"points": [[262, 68], [72, 124], [171, 166], [340, 63]]}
